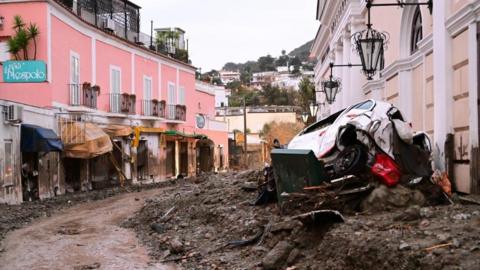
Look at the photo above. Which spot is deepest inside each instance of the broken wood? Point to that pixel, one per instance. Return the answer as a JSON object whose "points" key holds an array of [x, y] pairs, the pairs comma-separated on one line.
{"points": [[438, 246]]}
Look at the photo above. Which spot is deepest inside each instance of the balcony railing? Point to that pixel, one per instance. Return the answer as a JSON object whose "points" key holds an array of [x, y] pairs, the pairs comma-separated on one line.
{"points": [[83, 95], [122, 103], [153, 108], [176, 112]]}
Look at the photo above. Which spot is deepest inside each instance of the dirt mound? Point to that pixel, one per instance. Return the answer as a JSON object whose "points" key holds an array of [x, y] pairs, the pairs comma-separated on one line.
{"points": [[210, 224]]}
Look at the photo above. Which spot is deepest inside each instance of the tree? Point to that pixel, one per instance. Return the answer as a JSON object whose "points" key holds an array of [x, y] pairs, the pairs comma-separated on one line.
{"points": [[306, 93], [21, 40], [266, 63], [33, 34], [282, 60]]}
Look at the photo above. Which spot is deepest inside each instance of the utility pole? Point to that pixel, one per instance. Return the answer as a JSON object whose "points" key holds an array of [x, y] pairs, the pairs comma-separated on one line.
{"points": [[245, 132]]}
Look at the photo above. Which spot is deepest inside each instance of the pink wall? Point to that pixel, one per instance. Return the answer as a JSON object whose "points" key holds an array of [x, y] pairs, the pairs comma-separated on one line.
{"points": [[149, 68], [169, 74], [38, 94], [108, 56], [62, 47], [187, 80]]}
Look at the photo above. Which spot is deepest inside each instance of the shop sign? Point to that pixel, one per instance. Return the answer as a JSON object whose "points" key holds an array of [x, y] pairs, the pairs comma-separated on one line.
{"points": [[200, 119], [24, 71]]}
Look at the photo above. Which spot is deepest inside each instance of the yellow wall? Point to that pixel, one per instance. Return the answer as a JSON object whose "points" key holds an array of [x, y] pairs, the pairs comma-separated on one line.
{"points": [[256, 121], [391, 90], [418, 102], [429, 102]]}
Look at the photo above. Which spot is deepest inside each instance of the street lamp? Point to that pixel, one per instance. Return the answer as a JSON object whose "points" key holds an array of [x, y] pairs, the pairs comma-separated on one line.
{"points": [[370, 43], [332, 86], [313, 109], [305, 117]]}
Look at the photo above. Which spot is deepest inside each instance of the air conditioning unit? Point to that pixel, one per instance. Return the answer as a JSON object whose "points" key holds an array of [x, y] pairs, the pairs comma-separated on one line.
{"points": [[14, 114], [109, 24]]}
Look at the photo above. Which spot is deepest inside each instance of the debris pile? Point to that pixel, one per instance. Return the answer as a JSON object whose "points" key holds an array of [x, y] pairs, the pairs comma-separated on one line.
{"points": [[213, 224]]}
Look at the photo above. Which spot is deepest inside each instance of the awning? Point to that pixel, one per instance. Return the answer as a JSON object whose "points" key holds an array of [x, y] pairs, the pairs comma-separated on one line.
{"points": [[186, 135], [37, 139], [117, 130], [94, 141]]}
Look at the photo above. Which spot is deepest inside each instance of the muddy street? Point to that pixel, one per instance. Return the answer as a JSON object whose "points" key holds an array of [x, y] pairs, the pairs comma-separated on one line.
{"points": [[86, 236]]}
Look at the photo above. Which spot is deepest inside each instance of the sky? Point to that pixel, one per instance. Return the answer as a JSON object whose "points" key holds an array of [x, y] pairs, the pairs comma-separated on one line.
{"points": [[221, 31]]}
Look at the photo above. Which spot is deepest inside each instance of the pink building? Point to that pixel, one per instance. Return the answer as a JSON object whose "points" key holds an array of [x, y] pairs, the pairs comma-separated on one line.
{"points": [[100, 79]]}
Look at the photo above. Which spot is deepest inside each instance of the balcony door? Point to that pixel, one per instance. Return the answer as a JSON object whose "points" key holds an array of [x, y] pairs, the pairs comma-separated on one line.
{"points": [[147, 95], [75, 95], [172, 101]]}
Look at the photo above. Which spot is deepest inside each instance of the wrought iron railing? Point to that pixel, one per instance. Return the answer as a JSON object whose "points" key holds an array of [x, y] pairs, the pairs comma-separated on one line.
{"points": [[115, 102], [176, 112], [83, 95]]}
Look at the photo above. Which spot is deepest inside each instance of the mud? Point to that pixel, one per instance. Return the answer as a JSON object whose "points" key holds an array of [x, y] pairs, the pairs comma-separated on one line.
{"points": [[85, 236], [197, 226], [17, 216]]}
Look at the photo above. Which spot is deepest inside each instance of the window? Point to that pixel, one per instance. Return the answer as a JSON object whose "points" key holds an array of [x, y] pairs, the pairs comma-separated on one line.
{"points": [[181, 96], [172, 97], [115, 80], [147, 88], [74, 68], [75, 95], [417, 33], [4, 54]]}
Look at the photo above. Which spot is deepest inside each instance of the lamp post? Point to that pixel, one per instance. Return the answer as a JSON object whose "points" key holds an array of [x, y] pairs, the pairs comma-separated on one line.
{"points": [[332, 86], [370, 44]]}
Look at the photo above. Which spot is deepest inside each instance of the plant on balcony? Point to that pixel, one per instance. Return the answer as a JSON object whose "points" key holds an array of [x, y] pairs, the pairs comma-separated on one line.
{"points": [[96, 89], [21, 40]]}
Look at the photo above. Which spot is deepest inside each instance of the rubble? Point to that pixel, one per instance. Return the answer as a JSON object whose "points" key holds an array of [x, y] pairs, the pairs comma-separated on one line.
{"points": [[212, 214]]}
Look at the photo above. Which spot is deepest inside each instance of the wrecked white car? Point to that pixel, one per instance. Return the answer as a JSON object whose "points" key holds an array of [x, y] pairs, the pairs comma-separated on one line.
{"points": [[368, 139]]}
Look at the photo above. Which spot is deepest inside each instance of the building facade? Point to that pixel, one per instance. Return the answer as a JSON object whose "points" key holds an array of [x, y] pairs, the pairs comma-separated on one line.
{"points": [[98, 84], [430, 72]]}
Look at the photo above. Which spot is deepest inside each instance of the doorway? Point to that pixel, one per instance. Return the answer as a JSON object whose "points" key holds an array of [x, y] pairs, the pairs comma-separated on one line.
{"points": [[30, 182], [170, 159], [205, 156], [184, 159]]}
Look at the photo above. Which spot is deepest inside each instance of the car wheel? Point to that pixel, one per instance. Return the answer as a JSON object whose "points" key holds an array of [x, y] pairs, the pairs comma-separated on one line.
{"points": [[352, 160]]}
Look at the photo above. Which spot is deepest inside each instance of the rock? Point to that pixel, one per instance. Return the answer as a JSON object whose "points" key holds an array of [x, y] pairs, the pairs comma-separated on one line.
{"points": [[385, 198], [404, 246], [410, 214], [276, 257], [293, 256], [159, 228], [137, 199], [285, 226], [424, 223], [443, 237], [176, 246], [462, 216], [426, 212]]}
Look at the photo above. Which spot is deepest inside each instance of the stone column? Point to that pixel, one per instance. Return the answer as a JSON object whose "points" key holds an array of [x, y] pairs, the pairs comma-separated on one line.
{"points": [[442, 82], [337, 73], [346, 87], [357, 79]]}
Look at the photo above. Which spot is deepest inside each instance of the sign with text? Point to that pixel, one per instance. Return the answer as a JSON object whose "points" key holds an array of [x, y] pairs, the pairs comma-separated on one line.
{"points": [[24, 71]]}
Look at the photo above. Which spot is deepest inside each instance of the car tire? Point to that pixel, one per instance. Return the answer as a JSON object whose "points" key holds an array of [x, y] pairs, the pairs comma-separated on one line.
{"points": [[352, 160]]}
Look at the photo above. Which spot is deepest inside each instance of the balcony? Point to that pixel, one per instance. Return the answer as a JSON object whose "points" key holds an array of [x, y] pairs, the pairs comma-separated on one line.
{"points": [[122, 103], [118, 17], [83, 95], [153, 108], [176, 112]]}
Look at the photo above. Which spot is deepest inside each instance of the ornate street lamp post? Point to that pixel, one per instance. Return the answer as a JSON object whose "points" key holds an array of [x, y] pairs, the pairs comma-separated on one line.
{"points": [[332, 86], [370, 43]]}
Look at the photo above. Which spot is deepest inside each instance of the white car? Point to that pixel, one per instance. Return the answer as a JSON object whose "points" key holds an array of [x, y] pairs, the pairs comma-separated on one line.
{"points": [[352, 140]]}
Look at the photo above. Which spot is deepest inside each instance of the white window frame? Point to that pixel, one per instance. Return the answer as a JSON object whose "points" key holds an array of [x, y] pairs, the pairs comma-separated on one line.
{"points": [[4, 54], [145, 80], [169, 98], [181, 95], [72, 56], [115, 68]]}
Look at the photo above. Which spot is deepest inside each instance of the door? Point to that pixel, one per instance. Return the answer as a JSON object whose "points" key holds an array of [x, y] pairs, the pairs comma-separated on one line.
{"points": [[184, 159], [170, 159], [30, 185]]}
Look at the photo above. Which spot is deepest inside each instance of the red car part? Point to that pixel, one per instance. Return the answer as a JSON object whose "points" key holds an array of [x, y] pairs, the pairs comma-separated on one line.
{"points": [[386, 170]]}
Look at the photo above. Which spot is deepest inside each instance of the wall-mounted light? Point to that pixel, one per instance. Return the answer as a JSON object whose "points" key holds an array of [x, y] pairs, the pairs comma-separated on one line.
{"points": [[370, 43], [332, 86]]}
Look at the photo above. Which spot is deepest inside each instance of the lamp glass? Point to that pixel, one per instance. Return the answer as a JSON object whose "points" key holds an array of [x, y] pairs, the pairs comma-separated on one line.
{"points": [[313, 109]]}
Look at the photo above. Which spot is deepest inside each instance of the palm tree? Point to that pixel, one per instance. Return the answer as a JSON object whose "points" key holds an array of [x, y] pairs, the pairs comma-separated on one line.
{"points": [[13, 47], [22, 40], [18, 23], [33, 34]]}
